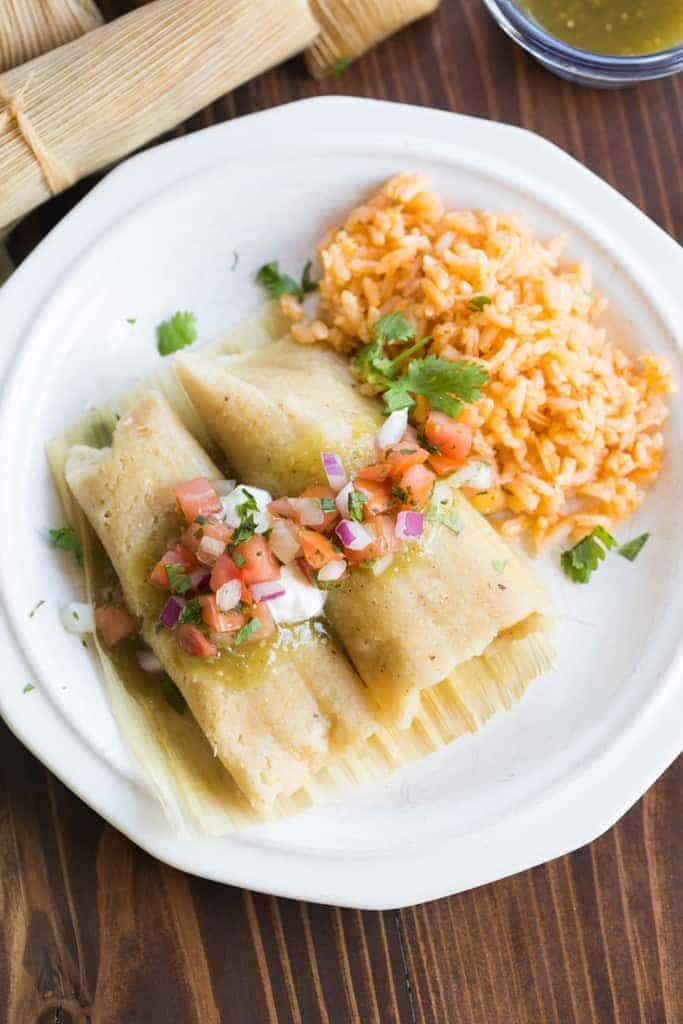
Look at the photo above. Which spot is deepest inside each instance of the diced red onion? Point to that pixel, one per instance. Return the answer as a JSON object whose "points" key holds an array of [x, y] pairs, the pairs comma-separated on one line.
{"points": [[352, 535], [267, 591], [393, 429], [409, 525], [342, 499], [381, 565], [284, 541], [332, 571], [170, 613], [334, 470], [200, 579], [308, 511], [210, 550], [148, 661], [229, 595]]}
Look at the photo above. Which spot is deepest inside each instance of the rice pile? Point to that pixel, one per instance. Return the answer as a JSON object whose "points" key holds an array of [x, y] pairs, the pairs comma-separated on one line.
{"points": [[572, 422]]}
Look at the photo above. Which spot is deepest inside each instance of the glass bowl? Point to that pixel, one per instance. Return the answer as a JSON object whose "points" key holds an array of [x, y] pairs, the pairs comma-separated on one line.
{"points": [[603, 71]]}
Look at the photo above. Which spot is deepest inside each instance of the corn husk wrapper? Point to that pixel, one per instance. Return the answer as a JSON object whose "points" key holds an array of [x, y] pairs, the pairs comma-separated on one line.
{"points": [[31, 27], [84, 105], [195, 791], [350, 27]]}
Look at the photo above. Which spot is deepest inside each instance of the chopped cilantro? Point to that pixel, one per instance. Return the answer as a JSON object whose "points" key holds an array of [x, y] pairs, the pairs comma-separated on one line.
{"points": [[584, 558], [498, 565], [398, 494], [446, 385], [192, 612], [35, 609], [327, 504], [476, 304], [172, 695], [243, 634], [202, 520], [131, 319], [28, 688], [66, 538], [340, 66], [277, 284], [176, 333], [632, 548], [238, 559], [178, 579], [356, 501]]}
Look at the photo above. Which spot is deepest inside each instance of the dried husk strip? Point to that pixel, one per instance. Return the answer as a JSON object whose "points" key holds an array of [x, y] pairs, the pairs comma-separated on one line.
{"points": [[31, 27], [103, 95], [350, 27]]}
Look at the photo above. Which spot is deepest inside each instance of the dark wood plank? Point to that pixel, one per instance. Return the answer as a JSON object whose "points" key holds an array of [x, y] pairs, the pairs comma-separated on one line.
{"points": [[95, 930]]}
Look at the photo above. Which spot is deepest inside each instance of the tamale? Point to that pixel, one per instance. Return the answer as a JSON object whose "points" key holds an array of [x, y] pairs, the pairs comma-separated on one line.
{"points": [[31, 27]]}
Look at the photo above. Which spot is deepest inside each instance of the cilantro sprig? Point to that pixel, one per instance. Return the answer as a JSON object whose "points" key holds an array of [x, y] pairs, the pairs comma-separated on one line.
{"points": [[580, 562], [176, 333], [277, 283], [446, 385], [192, 612], [66, 539], [247, 526], [178, 580], [243, 634]]}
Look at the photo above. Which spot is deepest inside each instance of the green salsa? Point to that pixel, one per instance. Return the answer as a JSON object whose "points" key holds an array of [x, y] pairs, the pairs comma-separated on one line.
{"points": [[617, 27]]}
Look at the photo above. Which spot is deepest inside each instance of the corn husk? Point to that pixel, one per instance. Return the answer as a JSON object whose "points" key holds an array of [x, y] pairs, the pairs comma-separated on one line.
{"points": [[31, 27], [84, 105], [350, 27]]}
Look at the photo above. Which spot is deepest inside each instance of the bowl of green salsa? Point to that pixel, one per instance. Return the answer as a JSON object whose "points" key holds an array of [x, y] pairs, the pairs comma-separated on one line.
{"points": [[604, 43]]}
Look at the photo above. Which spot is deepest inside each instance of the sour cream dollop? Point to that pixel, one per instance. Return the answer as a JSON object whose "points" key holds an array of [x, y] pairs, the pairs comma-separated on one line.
{"points": [[301, 599]]}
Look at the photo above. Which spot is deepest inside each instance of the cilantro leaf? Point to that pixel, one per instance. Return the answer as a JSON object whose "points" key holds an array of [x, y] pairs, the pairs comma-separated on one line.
{"points": [[446, 385], [243, 634], [66, 539], [340, 66], [28, 688], [192, 612], [176, 333], [393, 327], [356, 501], [581, 561], [476, 304], [131, 319], [277, 284], [35, 609], [172, 695], [632, 549], [178, 579], [247, 527], [238, 559], [327, 504]]}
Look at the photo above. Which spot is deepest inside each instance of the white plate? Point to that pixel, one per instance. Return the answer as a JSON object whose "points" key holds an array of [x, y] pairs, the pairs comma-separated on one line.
{"points": [[161, 233]]}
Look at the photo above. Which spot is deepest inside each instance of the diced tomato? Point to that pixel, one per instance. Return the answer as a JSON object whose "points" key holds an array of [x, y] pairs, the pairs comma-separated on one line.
{"points": [[417, 483], [114, 624], [378, 471], [223, 571], [260, 564], [267, 627], [218, 621], [401, 457], [317, 549], [451, 437], [385, 542], [195, 531], [442, 465], [193, 641], [321, 491], [176, 555], [378, 495], [197, 497]]}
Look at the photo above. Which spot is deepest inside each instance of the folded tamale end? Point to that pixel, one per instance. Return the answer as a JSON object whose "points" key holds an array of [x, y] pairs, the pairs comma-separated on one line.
{"points": [[350, 27], [31, 27]]}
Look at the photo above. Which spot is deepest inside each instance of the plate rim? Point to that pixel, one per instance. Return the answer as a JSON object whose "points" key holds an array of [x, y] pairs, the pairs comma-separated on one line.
{"points": [[133, 183]]}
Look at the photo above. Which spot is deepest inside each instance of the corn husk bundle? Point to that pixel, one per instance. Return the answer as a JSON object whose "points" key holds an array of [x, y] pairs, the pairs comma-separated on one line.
{"points": [[84, 105], [195, 790], [350, 27], [31, 27]]}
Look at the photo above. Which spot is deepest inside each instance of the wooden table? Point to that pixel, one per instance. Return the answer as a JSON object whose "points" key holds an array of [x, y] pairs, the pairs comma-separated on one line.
{"points": [[95, 930]]}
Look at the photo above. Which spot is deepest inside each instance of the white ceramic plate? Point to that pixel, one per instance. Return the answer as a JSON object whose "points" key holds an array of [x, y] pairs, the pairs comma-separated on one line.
{"points": [[164, 231]]}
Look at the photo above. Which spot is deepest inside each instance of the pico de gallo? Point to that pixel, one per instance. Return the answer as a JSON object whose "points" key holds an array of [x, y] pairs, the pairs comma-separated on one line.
{"points": [[245, 562]]}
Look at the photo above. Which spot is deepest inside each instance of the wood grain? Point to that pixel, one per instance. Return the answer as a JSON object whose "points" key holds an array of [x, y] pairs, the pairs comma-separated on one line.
{"points": [[95, 930]]}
